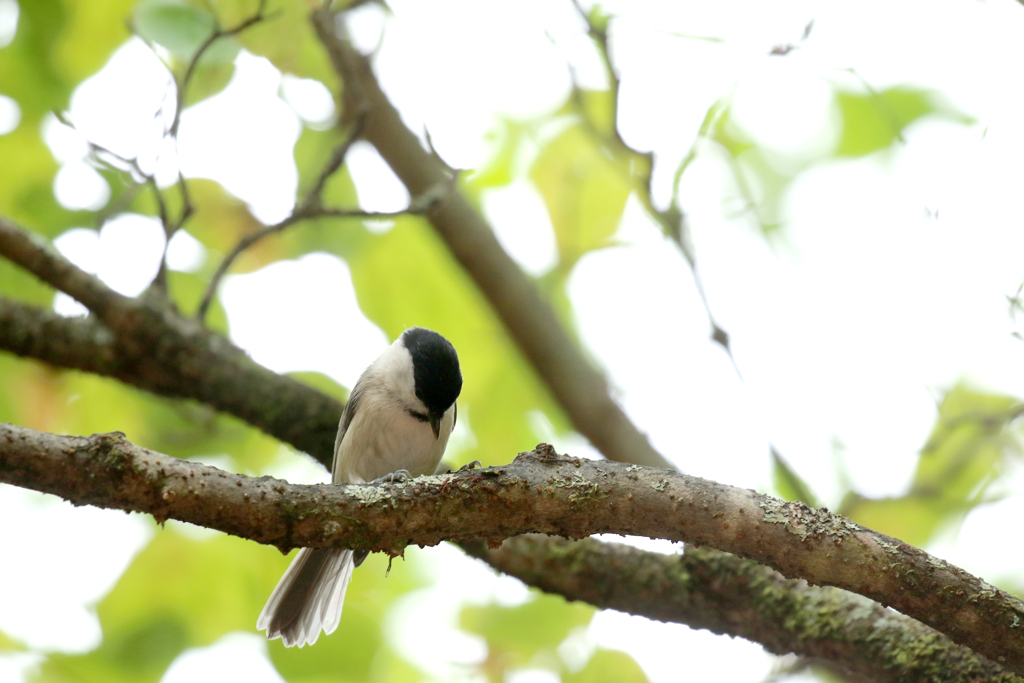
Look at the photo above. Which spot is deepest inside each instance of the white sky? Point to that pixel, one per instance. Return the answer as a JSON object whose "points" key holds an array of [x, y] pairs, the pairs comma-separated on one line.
{"points": [[846, 328]]}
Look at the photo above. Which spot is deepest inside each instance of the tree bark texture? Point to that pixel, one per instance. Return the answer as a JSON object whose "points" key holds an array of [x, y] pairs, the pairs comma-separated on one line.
{"points": [[540, 491]]}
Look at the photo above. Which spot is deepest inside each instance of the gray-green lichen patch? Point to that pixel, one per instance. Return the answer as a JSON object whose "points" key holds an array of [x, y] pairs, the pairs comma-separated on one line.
{"points": [[890, 548], [330, 529], [436, 479], [582, 488], [368, 495], [807, 522]]}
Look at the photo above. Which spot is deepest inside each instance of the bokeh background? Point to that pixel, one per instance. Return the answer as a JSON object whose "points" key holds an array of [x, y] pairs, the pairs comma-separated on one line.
{"points": [[851, 179]]}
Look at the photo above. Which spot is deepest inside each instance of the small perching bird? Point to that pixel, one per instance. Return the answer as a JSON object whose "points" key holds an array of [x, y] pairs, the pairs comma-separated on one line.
{"points": [[395, 425]]}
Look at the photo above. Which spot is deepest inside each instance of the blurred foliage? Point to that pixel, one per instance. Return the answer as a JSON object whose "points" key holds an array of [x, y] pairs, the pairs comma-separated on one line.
{"points": [[188, 589], [180, 28], [585, 192], [184, 592], [527, 637], [968, 449], [788, 483], [869, 121], [520, 635]]}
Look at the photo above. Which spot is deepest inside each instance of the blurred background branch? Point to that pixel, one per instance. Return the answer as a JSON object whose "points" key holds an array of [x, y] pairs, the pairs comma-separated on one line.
{"points": [[146, 343], [577, 386], [709, 589]]}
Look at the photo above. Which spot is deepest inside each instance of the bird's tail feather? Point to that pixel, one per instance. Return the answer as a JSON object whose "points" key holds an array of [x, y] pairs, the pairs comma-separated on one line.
{"points": [[308, 597]]}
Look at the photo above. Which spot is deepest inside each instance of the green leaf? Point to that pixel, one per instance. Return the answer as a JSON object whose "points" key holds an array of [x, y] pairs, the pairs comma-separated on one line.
{"points": [[213, 73], [187, 290], [964, 455], [515, 635], [313, 150], [968, 446], [499, 170], [789, 484], [599, 107], [584, 189], [181, 28], [761, 185], [219, 221], [598, 17], [608, 666], [721, 128], [18, 285], [178, 593], [28, 71], [913, 518], [8, 645], [285, 37], [876, 119], [93, 31], [323, 383]]}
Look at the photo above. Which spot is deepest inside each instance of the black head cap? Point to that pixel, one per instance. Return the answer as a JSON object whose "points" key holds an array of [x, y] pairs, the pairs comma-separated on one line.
{"points": [[435, 368]]}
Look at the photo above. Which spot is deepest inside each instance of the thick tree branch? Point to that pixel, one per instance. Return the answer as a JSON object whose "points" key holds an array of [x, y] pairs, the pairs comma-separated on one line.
{"points": [[709, 589], [38, 257], [79, 343], [580, 389], [146, 343], [539, 492]]}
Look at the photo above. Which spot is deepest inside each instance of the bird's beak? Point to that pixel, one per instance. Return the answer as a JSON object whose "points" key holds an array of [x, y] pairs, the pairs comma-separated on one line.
{"points": [[435, 424]]}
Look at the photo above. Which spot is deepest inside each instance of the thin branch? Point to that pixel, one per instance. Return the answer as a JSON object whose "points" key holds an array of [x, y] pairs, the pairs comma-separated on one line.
{"points": [[218, 33], [314, 198], [257, 235], [600, 36], [709, 589], [580, 389], [181, 90], [784, 49], [671, 219], [310, 207], [160, 280], [541, 492], [187, 208], [140, 178]]}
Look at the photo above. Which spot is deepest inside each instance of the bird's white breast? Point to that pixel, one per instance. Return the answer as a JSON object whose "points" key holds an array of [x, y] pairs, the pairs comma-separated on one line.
{"points": [[383, 437]]}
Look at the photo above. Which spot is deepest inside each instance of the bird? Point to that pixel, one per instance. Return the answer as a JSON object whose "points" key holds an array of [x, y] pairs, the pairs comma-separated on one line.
{"points": [[395, 425]]}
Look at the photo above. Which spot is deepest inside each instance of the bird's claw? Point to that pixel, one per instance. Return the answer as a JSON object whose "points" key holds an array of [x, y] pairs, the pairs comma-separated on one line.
{"points": [[396, 477], [476, 464]]}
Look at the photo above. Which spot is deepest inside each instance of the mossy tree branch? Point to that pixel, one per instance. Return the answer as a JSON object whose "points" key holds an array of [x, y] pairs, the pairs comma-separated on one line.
{"points": [[708, 589], [541, 492]]}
